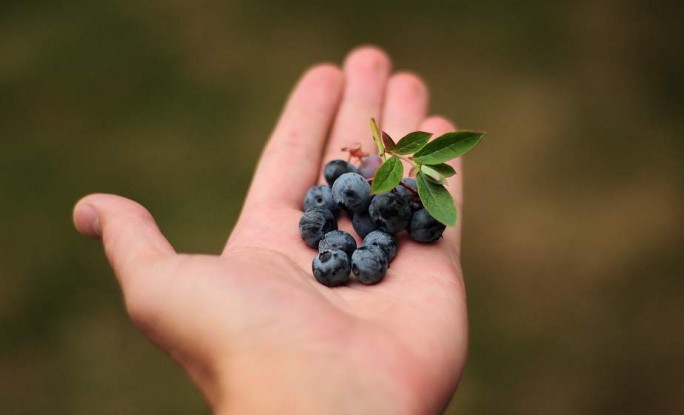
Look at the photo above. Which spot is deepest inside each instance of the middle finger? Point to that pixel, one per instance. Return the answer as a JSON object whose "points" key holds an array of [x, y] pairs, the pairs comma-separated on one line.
{"points": [[366, 72]]}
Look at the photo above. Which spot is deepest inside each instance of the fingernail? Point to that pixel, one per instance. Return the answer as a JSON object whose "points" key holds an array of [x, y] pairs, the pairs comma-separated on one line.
{"points": [[89, 215], [97, 229]]}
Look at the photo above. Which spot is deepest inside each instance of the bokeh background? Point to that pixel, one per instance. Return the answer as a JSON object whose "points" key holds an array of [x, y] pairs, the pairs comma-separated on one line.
{"points": [[574, 218]]}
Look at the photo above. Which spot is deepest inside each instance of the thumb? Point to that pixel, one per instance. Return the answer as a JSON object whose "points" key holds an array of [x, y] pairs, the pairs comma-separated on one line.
{"points": [[128, 231]]}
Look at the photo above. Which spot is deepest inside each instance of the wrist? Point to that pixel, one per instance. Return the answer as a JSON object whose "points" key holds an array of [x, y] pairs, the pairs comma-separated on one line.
{"points": [[305, 386]]}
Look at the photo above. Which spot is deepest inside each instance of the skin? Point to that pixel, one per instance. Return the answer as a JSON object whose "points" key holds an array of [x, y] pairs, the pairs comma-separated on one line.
{"points": [[252, 327]]}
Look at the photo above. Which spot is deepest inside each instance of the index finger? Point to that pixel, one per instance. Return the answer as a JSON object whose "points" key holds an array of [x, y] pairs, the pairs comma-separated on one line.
{"points": [[291, 159]]}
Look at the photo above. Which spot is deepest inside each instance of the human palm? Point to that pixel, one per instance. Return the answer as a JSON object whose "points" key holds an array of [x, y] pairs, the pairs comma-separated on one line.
{"points": [[252, 327]]}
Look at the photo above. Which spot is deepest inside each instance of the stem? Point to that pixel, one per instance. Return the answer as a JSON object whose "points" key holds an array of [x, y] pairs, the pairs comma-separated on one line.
{"points": [[406, 186], [377, 139]]}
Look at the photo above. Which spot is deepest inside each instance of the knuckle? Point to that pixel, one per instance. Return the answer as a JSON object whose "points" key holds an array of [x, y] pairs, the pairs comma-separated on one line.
{"points": [[140, 303]]}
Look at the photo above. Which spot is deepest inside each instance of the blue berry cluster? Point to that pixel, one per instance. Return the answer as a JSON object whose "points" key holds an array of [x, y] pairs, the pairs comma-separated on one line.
{"points": [[375, 218]]}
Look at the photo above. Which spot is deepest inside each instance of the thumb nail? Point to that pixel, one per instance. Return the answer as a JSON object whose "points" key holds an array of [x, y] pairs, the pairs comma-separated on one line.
{"points": [[90, 218]]}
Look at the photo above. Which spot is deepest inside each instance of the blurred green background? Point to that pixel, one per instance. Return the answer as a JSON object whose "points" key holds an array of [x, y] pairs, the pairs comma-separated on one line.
{"points": [[574, 217]]}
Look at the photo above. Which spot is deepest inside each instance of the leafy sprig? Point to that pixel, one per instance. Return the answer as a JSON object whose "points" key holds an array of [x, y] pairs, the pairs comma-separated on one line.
{"points": [[428, 161]]}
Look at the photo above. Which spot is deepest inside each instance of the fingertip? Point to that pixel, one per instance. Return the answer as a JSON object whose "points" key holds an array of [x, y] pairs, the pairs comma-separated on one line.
{"points": [[324, 72], [368, 57], [409, 85], [437, 125], [323, 79]]}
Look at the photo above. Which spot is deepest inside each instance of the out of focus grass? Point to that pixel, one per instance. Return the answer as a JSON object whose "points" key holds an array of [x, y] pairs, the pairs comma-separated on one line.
{"points": [[573, 226]]}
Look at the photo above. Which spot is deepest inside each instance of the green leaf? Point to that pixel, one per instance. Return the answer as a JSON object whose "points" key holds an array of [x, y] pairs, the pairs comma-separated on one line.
{"points": [[388, 142], [433, 174], [437, 200], [443, 169], [411, 143], [447, 147], [388, 175]]}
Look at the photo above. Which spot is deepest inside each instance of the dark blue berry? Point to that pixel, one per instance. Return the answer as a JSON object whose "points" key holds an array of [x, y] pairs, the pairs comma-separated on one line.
{"points": [[425, 228], [384, 241], [320, 196], [363, 224], [335, 169], [390, 212], [331, 267], [369, 264], [314, 224], [338, 240], [351, 191]]}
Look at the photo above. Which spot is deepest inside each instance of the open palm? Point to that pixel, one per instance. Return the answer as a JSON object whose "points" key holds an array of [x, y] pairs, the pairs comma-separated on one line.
{"points": [[252, 327]]}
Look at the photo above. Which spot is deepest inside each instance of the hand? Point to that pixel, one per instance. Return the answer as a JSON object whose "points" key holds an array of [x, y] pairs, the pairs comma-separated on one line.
{"points": [[252, 327]]}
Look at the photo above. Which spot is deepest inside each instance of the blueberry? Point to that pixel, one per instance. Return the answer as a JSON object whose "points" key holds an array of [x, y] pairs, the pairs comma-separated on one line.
{"points": [[320, 196], [411, 197], [425, 228], [331, 267], [369, 264], [338, 240], [363, 224], [369, 165], [335, 169], [314, 224], [384, 241], [390, 212], [351, 191]]}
